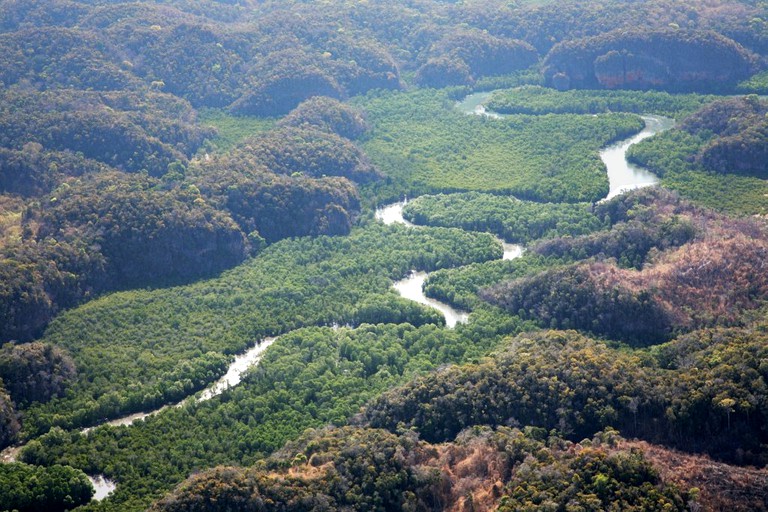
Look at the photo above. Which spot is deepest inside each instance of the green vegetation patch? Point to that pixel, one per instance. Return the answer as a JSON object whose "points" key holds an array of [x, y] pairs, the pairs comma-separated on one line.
{"points": [[716, 157], [425, 145], [137, 350], [685, 393], [541, 100], [363, 469], [230, 129], [511, 219], [460, 286], [308, 378], [25, 488], [757, 84]]}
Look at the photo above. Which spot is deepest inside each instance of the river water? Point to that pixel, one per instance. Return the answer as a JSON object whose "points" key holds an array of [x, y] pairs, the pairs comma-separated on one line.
{"points": [[622, 175], [104, 486], [233, 377], [412, 287]]}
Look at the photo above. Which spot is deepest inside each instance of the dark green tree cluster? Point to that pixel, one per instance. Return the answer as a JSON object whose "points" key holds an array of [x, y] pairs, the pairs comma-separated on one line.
{"points": [[716, 156], [290, 181], [35, 372], [640, 222], [329, 115], [463, 55], [588, 297], [695, 393], [737, 129], [271, 207], [57, 488], [108, 231], [461, 286], [312, 152], [32, 171], [368, 469], [145, 234], [128, 131]]}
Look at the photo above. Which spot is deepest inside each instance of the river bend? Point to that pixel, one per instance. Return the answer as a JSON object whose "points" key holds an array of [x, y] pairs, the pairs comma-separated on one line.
{"points": [[622, 175]]}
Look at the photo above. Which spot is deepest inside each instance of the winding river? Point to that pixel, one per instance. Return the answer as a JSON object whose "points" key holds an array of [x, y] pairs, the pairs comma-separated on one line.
{"points": [[622, 175], [103, 486]]}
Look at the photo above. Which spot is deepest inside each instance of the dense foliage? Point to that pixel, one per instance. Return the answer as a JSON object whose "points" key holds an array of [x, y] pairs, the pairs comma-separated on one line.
{"points": [[310, 151], [367, 469], [511, 219], [709, 396], [424, 146], [142, 147], [133, 132], [105, 232], [161, 345], [701, 274], [329, 115], [460, 286], [35, 372], [9, 421], [539, 100], [716, 155], [57, 488], [308, 378], [479, 52], [740, 127]]}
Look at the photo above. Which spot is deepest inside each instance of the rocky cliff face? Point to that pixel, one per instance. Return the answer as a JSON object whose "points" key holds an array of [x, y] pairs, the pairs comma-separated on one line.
{"points": [[675, 60]]}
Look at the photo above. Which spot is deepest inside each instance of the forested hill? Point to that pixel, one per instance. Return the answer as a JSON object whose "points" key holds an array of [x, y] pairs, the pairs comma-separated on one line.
{"points": [[181, 178]]}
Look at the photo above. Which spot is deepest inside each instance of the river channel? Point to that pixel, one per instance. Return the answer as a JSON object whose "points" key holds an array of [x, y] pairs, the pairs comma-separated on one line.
{"points": [[622, 176]]}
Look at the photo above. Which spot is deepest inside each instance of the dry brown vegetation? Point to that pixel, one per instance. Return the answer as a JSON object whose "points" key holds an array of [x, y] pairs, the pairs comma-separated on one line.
{"points": [[692, 269], [722, 486]]}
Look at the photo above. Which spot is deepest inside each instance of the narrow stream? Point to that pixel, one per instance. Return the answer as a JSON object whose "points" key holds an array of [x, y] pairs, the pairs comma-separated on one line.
{"points": [[233, 377], [104, 486], [623, 176], [393, 213], [412, 287]]}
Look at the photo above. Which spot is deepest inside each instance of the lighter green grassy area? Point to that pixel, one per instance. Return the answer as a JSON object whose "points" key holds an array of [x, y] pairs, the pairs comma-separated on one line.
{"points": [[425, 145], [730, 193], [757, 84], [541, 100], [670, 156], [231, 130]]}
